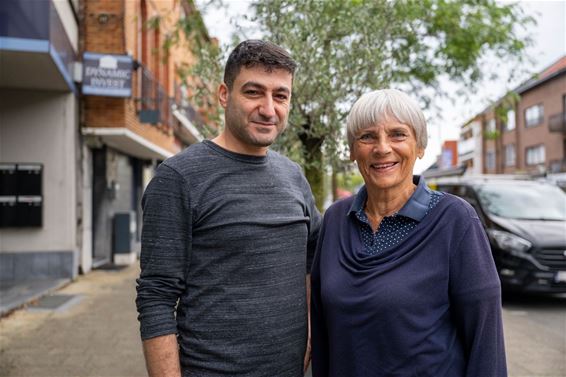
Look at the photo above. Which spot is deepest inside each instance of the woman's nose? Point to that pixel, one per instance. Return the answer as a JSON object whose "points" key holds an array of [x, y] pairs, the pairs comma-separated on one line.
{"points": [[382, 145]]}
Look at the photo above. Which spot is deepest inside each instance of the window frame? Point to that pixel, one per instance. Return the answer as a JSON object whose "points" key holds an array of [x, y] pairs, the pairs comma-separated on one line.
{"points": [[539, 120]]}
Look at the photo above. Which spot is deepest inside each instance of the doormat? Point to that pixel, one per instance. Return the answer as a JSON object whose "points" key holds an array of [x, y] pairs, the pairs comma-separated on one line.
{"points": [[57, 302], [112, 267]]}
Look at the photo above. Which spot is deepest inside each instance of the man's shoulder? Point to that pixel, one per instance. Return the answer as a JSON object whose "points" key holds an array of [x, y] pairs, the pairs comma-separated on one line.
{"points": [[285, 164], [193, 151], [188, 160]]}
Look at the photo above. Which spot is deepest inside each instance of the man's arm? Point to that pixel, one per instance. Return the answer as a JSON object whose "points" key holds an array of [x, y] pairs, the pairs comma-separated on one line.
{"points": [[163, 261], [162, 356]]}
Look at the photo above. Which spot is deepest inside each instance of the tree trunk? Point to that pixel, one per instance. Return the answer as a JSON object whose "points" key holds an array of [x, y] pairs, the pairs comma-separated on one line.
{"points": [[315, 176], [314, 163]]}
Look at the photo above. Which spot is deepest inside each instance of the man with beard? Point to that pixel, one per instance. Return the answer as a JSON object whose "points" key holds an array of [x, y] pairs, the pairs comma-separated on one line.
{"points": [[229, 232]]}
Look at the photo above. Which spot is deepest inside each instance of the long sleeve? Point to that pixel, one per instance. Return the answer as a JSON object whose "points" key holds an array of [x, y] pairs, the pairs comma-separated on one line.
{"points": [[315, 220], [476, 301], [166, 237], [319, 335]]}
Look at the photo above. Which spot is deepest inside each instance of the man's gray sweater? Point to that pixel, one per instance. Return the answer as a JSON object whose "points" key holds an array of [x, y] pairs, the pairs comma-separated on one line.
{"points": [[229, 237]]}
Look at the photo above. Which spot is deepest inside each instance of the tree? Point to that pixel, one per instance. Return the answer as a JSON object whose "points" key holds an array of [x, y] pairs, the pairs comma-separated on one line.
{"points": [[347, 47]]}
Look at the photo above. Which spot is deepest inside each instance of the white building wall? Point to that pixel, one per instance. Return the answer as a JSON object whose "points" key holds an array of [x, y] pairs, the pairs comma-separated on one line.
{"points": [[68, 20], [478, 147], [41, 127]]}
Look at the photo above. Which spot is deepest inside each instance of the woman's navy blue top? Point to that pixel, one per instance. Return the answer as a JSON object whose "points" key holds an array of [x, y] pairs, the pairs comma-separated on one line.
{"points": [[428, 305]]}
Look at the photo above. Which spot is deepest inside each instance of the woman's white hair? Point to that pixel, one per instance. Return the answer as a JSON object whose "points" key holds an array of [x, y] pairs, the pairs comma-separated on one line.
{"points": [[381, 105]]}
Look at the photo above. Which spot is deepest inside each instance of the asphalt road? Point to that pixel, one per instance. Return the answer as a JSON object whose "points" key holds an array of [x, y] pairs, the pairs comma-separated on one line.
{"points": [[535, 335]]}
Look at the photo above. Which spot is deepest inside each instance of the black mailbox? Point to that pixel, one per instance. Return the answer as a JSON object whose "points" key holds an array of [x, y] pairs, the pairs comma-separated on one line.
{"points": [[21, 199]]}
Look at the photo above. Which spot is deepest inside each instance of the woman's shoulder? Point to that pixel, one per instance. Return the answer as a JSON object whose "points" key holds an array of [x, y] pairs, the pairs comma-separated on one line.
{"points": [[456, 206], [340, 207]]}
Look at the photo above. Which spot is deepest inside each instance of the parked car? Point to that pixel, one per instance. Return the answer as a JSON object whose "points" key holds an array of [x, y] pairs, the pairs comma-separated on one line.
{"points": [[526, 225]]}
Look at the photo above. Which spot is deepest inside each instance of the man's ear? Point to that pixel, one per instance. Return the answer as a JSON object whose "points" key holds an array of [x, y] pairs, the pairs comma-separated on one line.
{"points": [[223, 93]]}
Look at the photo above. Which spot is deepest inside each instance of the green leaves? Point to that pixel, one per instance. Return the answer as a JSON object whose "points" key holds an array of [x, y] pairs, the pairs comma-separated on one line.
{"points": [[348, 47]]}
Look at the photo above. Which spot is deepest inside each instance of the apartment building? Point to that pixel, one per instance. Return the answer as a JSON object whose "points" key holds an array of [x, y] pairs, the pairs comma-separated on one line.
{"points": [[524, 132], [90, 103], [127, 133], [40, 198]]}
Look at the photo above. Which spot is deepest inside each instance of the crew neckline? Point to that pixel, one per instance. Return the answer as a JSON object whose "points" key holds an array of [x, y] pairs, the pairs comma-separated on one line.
{"points": [[236, 156]]}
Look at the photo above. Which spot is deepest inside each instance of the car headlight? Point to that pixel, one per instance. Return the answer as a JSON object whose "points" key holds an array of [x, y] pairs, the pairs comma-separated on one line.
{"points": [[509, 242]]}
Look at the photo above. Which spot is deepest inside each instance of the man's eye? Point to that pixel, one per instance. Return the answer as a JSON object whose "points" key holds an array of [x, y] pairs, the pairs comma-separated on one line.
{"points": [[251, 92], [281, 97]]}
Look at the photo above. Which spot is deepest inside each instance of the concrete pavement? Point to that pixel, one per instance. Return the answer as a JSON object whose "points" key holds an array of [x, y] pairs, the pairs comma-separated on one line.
{"points": [[93, 331]]}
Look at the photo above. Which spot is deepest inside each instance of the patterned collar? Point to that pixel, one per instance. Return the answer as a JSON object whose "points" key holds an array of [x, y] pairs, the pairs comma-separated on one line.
{"points": [[416, 207]]}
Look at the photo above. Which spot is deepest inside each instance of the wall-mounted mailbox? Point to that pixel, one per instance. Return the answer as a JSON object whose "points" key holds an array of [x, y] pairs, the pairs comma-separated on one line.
{"points": [[21, 199]]}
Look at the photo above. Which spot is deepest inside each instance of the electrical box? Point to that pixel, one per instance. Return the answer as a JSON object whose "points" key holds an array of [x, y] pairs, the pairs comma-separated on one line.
{"points": [[124, 229]]}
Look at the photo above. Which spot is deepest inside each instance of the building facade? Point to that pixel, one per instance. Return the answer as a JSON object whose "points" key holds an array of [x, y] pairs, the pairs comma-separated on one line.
{"points": [[90, 104], [40, 198], [522, 133]]}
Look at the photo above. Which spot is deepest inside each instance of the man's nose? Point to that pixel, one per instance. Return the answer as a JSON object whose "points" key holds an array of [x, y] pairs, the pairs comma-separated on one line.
{"points": [[267, 107]]}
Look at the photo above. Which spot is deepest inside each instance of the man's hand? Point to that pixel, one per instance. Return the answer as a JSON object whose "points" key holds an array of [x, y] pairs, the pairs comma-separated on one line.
{"points": [[307, 359], [162, 356]]}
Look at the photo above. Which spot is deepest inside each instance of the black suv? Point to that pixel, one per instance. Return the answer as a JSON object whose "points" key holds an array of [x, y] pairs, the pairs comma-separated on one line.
{"points": [[525, 221]]}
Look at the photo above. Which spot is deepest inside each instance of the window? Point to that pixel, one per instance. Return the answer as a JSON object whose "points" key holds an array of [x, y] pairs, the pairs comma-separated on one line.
{"points": [[535, 155], [510, 155], [510, 124], [534, 115], [490, 127], [490, 160]]}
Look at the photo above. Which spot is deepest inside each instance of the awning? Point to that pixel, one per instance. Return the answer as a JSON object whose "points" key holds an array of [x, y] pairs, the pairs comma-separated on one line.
{"points": [[128, 142]]}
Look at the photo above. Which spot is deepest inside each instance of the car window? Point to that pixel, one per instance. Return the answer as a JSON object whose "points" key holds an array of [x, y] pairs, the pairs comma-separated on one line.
{"points": [[519, 201]]}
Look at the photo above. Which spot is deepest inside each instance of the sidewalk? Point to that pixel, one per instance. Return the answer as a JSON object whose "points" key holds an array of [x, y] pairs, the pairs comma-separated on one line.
{"points": [[92, 330]]}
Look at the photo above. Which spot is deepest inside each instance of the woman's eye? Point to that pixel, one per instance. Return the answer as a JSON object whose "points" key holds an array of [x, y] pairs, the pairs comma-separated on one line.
{"points": [[399, 135]]}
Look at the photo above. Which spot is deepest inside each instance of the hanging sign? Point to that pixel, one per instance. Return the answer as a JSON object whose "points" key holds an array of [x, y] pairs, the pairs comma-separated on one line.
{"points": [[107, 75]]}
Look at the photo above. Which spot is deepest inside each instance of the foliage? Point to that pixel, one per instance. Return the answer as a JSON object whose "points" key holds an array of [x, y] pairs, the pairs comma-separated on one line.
{"points": [[348, 47], [201, 74], [349, 180], [508, 102]]}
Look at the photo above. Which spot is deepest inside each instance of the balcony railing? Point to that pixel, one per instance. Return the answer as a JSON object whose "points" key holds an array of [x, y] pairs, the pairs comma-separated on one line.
{"points": [[557, 123], [184, 106], [153, 106]]}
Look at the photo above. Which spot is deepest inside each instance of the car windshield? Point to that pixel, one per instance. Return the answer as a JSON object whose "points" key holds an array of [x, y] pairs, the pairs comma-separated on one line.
{"points": [[520, 201]]}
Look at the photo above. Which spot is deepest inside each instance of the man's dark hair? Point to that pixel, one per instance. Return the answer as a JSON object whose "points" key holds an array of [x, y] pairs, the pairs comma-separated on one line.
{"points": [[254, 52]]}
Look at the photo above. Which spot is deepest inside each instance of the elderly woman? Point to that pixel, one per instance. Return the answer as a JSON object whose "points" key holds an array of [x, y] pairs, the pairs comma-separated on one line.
{"points": [[403, 281]]}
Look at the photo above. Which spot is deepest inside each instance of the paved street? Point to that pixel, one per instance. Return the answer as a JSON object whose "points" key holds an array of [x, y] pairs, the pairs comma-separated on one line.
{"points": [[96, 333], [535, 335]]}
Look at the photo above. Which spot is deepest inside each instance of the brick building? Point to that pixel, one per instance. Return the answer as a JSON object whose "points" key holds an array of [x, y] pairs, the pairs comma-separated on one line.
{"points": [[126, 136], [89, 105], [524, 132]]}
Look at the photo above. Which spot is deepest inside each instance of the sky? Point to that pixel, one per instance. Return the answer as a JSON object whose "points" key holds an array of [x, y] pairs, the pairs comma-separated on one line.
{"points": [[549, 36]]}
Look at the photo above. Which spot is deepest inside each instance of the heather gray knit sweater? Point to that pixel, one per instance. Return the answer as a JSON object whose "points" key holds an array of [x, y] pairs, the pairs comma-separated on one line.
{"points": [[228, 235]]}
